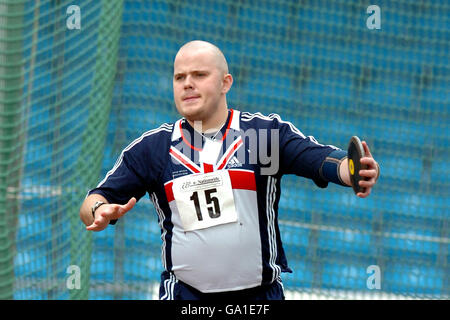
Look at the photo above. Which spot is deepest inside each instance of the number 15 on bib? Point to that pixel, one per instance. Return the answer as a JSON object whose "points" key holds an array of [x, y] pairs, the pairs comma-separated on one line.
{"points": [[204, 200]]}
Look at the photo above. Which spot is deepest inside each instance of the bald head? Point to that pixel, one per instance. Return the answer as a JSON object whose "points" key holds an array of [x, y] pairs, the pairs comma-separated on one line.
{"points": [[198, 46]]}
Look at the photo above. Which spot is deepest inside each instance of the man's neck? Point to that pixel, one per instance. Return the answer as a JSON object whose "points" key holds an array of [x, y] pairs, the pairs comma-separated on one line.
{"points": [[212, 125]]}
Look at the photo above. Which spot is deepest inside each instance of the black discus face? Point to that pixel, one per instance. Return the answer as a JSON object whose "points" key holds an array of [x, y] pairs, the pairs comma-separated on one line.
{"points": [[355, 153]]}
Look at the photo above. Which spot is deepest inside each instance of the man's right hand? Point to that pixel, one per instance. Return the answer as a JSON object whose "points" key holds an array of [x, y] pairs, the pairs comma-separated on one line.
{"points": [[108, 212]]}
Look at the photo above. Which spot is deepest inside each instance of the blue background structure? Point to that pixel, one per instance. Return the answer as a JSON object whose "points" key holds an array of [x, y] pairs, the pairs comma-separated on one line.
{"points": [[317, 65]]}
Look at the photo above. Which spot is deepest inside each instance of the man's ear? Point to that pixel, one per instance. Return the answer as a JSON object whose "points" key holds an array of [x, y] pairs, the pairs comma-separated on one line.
{"points": [[227, 83]]}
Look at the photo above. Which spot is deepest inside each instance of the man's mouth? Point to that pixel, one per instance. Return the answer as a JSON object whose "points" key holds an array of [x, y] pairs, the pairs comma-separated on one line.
{"points": [[190, 98]]}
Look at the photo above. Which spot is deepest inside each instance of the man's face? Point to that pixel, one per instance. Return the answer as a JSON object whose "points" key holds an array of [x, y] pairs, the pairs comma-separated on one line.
{"points": [[197, 84]]}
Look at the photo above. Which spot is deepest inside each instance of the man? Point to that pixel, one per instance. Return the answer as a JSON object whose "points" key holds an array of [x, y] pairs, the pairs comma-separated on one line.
{"points": [[215, 192]]}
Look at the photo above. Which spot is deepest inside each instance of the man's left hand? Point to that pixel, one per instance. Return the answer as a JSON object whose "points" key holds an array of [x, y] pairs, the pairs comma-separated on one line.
{"points": [[370, 174]]}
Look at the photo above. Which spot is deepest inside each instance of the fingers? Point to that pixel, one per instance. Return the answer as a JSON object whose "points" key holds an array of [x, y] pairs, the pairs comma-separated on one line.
{"points": [[369, 174], [366, 149], [369, 178], [367, 185], [111, 212], [98, 225], [369, 162], [116, 211], [372, 168], [129, 205], [364, 194], [108, 212], [94, 227]]}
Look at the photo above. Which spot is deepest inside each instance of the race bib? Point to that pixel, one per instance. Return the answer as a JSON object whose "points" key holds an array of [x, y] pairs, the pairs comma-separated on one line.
{"points": [[204, 200]]}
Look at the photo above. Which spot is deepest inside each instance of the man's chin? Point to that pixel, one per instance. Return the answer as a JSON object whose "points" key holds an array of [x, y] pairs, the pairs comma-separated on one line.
{"points": [[192, 113]]}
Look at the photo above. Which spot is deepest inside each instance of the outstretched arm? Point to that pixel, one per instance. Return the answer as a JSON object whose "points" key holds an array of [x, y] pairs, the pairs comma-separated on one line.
{"points": [[371, 173]]}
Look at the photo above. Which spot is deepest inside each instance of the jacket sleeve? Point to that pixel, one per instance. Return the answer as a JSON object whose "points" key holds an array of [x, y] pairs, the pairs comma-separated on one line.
{"points": [[137, 169], [301, 155]]}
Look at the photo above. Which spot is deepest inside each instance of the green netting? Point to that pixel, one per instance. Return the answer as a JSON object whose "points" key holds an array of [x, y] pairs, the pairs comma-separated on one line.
{"points": [[72, 99]]}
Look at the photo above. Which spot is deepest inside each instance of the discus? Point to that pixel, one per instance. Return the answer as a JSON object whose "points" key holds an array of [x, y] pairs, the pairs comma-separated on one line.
{"points": [[355, 153]]}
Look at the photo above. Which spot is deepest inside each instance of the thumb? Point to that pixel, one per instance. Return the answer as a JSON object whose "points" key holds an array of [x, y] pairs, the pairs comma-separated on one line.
{"points": [[128, 206]]}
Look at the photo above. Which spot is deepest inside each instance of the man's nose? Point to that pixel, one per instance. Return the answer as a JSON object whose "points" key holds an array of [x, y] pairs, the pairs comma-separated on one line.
{"points": [[188, 82]]}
